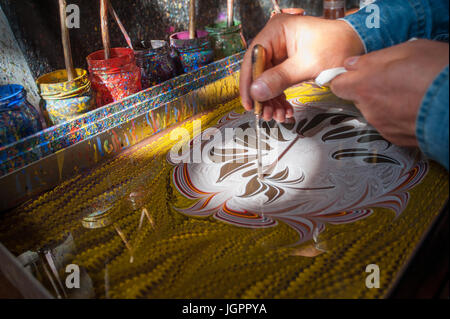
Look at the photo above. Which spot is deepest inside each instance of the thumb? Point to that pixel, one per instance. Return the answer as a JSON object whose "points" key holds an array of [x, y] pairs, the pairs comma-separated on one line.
{"points": [[351, 63], [275, 80]]}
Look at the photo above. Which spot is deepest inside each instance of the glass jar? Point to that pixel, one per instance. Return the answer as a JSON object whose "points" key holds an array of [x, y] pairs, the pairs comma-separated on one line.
{"points": [[18, 118], [115, 78], [192, 53], [155, 62], [64, 100], [333, 9], [226, 40]]}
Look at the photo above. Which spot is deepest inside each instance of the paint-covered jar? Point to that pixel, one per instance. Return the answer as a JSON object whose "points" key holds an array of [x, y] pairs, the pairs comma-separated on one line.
{"points": [[18, 118], [226, 40], [192, 53], [155, 62], [63, 100], [115, 78]]}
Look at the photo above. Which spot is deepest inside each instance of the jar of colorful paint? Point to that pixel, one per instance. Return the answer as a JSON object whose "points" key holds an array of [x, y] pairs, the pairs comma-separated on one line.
{"points": [[192, 53], [18, 118], [64, 100], [115, 78], [155, 62], [226, 40]]}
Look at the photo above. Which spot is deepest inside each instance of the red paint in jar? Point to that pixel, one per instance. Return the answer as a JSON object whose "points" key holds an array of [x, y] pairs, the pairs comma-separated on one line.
{"points": [[115, 78]]}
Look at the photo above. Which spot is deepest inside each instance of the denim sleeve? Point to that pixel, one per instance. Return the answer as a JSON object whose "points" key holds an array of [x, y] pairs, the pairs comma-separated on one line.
{"points": [[432, 121], [386, 22]]}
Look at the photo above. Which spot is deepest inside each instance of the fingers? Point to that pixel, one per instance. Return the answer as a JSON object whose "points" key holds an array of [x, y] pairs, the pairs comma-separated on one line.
{"points": [[278, 109], [287, 107], [289, 112], [345, 85], [245, 79], [274, 81], [351, 63], [280, 113], [266, 38], [283, 103]]}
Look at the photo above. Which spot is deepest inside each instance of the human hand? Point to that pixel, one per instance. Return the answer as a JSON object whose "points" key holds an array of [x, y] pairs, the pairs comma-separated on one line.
{"points": [[388, 85], [298, 48]]}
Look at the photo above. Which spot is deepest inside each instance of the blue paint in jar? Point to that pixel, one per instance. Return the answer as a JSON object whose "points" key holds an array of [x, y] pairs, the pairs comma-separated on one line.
{"points": [[192, 53], [18, 118], [156, 64]]}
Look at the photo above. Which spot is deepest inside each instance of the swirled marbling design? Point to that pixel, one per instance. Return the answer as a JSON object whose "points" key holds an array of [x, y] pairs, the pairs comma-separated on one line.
{"points": [[327, 166]]}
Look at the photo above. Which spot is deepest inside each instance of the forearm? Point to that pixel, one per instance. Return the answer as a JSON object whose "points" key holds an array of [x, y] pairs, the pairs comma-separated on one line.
{"points": [[432, 130], [399, 21]]}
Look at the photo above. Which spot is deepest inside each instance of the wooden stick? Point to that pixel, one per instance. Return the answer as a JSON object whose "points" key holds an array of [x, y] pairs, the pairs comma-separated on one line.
{"points": [[276, 7], [192, 34], [119, 23], [124, 239], [258, 63], [71, 74], [104, 26], [230, 12]]}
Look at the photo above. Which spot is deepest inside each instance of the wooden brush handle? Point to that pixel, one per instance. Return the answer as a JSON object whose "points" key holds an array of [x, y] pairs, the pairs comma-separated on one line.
{"points": [[276, 7], [104, 26], [230, 11], [192, 19], [119, 23], [258, 64], [71, 74]]}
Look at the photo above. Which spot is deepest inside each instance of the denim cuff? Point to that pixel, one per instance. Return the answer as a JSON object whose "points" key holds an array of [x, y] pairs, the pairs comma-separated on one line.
{"points": [[356, 27], [386, 23], [432, 120]]}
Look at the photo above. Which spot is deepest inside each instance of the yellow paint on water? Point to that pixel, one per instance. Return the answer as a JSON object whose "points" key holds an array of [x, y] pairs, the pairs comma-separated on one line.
{"points": [[95, 152], [60, 160]]}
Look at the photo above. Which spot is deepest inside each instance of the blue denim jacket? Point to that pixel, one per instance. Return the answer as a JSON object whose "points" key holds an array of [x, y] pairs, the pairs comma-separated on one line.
{"points": [[401, 20]]}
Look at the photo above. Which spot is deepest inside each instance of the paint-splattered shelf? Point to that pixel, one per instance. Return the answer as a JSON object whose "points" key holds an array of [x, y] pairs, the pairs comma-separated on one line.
{"points": [[107, 130], [32, 148]]}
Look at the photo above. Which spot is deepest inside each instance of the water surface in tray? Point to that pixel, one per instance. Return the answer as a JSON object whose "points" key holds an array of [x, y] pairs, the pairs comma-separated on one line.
{"points": [[336, 197]]}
